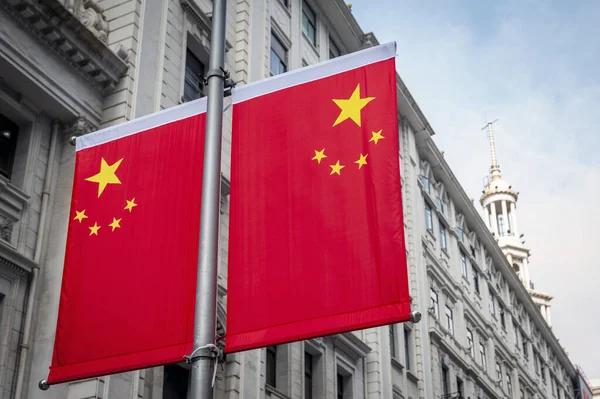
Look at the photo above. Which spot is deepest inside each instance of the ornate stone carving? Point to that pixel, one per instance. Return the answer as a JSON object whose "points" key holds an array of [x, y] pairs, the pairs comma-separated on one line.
{"points": [[78, 127], [91, 15], [6, 228]]}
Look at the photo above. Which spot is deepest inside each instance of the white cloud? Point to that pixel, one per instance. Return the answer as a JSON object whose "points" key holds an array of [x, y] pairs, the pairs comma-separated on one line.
{"points": [[533, 67]]}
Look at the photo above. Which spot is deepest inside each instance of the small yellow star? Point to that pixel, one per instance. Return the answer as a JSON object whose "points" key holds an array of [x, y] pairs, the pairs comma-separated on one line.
{"points": [[351, 107], [94, 229], [115, 223], [106, 175], [336, 168], [362, 161], [130, 204], [319, 155], [376, 136], [80, 216]]}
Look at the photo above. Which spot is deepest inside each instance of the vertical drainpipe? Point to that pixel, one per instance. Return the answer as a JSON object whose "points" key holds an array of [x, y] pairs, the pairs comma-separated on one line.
{"points": [[24, 347]]}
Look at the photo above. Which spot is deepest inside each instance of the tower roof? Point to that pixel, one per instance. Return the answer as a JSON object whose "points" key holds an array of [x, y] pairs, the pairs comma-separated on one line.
{"points": [[496, 184]]}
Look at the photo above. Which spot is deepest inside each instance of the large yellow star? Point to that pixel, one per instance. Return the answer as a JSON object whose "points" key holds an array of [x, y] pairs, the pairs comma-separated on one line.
{"points": [[352, 106], [94, 229], [319, 155], [115, 223], [376, 136], [336, 168], [80, 216], [362, 160], [106, 175]]}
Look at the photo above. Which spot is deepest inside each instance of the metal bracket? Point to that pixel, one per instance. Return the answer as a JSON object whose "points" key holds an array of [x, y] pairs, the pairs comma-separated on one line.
{"points": [[211, 351], [229, 84]]}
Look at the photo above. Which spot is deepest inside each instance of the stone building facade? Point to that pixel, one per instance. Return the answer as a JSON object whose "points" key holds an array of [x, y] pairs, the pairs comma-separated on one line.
{"points": [[68, 67]]}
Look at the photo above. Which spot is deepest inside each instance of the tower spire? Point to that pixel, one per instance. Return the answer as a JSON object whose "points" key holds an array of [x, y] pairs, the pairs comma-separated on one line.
{"points": [[495, 168]]}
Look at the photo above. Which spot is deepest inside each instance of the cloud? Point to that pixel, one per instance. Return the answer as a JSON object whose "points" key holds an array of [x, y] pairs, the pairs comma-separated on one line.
{"points": [[532, 64]]}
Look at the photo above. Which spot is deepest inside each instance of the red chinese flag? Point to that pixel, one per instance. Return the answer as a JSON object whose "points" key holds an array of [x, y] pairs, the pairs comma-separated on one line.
{"points": [[316, 239], [129, 280]]}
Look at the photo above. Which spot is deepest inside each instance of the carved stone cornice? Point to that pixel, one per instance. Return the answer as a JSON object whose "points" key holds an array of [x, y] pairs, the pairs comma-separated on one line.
{"points": [[351, 345], [81, 46]]}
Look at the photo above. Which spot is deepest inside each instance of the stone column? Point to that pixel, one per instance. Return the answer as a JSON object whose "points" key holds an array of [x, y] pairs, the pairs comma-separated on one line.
{"points": [[513, 214], [494, 218], [505, 221], [51, 265], [525, 272], [487, 216]]}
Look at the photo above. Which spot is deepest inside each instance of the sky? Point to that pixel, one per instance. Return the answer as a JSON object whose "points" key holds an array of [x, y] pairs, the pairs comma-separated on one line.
{"points": [[533, 65]]}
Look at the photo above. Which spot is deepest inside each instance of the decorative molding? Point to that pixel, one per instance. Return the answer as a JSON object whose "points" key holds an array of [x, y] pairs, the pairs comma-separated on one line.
{"points": [[90, 14], [351, 345], [76, 36], [78, 127], [202, 20], [6, 229], [18, 264]]}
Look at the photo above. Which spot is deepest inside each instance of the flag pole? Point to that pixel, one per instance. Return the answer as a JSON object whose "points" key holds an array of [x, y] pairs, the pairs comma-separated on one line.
{"points": [[204, 356]]}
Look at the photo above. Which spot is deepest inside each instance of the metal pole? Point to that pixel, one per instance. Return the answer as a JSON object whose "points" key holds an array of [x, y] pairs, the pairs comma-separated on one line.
{"points": [[203, 358]]}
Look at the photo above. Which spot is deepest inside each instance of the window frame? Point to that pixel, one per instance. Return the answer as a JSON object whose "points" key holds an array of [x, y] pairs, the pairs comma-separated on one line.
{"points": [[282, 59], [334, 46], [9, 143], [450, 319], [271, 354], [197, 83], [471, 342], [443, 237], [312, 23], [428, 217], [308, 375], [435, 302]]}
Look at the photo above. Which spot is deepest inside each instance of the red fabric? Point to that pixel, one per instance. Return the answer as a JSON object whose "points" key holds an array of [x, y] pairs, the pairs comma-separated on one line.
{"points": [[310, 253], [127, 298]]}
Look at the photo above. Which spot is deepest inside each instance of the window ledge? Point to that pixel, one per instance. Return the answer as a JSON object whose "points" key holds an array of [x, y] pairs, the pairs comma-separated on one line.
{"points": [[396, 364], [411, 376], [275, 393]]}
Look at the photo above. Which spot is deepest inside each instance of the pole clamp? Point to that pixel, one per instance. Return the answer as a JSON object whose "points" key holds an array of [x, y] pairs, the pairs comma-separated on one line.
{"points": [[209, 351], [222, 74]]}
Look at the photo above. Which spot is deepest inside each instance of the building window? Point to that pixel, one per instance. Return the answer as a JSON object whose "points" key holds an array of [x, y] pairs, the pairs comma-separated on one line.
{"points": [[498, 372], [278, 56], [501, 224], [435, 304], [443, 242], [492, 304], [271, 368], [524, 342], [428, 217], [516, 334], [501, 311], [285, 2], [309, 23], [392, 340], [308, 370], [459, 387], [475, 279], [445, 380], [508, 382], [426, 184], [470, 342], [482, 356], [334, 51], [536, 363], [8, 145], [194, 77], [449, 320], [440, 204], [461, 234], [340, 386], [463, 264], [407, 341], [176, 382]]}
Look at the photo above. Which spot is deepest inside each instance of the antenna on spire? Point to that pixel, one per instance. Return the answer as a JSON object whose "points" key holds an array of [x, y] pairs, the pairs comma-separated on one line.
{"points": [[495, 168]]}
